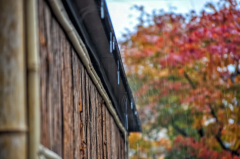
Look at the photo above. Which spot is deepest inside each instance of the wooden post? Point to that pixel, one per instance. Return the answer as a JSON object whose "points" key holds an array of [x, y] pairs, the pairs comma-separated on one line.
{"points": [[13, 125]]}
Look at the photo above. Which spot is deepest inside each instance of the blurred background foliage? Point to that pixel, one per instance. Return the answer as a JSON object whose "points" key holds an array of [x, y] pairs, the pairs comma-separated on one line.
{"points": [[185, 74]]}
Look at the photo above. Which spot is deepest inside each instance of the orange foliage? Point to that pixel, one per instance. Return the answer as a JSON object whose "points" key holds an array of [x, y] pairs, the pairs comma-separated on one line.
{"points": [[189, 68]]}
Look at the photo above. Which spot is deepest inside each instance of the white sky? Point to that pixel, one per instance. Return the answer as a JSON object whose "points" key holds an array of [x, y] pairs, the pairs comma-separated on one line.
{"points": [[120, 10]]}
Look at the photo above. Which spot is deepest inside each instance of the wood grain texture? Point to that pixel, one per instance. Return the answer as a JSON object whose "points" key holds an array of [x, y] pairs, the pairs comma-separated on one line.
{"points": [[113, 139], [85, 114], [99, 128], [43, 76], [75, 122], [109, 134], [104, 131], [67, 100], [93, 120], [78, 110], [88, 114], [50, 77], [122, 146], [118, 145], [116, 141]]}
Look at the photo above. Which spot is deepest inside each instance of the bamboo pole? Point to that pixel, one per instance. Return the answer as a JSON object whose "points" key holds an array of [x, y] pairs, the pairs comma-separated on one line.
{"points": [[13, 124], [13, 146], [33, 84]]}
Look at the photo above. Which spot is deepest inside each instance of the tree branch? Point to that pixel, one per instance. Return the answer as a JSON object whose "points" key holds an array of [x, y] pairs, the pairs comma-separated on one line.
{"points": [[200, 132], [180, 130], [213, 113], [189, 80], [235, 74], [218, 136]]}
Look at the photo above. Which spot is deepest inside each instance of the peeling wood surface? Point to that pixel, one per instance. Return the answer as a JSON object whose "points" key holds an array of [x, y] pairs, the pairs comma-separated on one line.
{"points": [[75, 122]]}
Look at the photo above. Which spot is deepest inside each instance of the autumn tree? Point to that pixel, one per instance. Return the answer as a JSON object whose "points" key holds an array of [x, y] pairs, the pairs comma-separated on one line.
{"points": [[184, 70]]}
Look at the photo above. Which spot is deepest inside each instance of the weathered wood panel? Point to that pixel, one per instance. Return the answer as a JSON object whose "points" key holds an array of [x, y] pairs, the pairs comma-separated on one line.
{"points": [[104, 131], [78, 110], [113, 141], [99, 127], [75, 122], [50, 78], [109, 135], [92, 113], [88, 114], [67, 98], [85, 113]]}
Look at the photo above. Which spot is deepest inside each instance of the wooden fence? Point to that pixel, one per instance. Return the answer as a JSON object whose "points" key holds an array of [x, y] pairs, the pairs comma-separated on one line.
{"points": [[75, 122]]}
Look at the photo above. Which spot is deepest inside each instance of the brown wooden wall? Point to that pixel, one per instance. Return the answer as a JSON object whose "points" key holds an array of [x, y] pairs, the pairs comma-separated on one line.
{"points": [[75, 122]]}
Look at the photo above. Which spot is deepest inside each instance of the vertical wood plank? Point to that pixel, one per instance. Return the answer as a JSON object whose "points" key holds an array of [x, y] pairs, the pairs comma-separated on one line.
{"points": [[88, 114], [93, 117], [123, 147], [109, 134], [50, 70], [78, 108], [104, 131], [85, 113], [55, 82], [50, 77], [67, 100], [99, 127], [43, 76], [113, 139], [70, 102], [116, 140], [126, 148]]}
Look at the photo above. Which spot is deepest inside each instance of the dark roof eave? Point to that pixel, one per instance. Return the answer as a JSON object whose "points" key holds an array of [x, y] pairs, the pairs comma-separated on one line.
{"points": [[96, 35]]}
